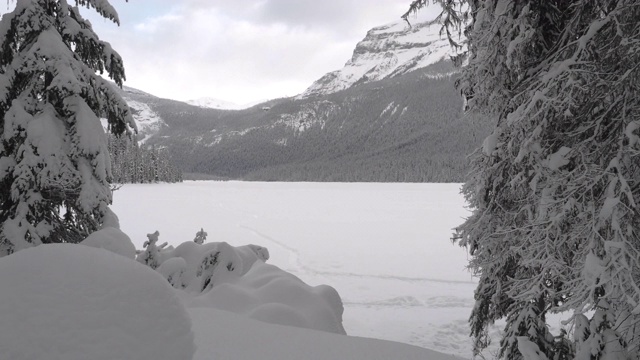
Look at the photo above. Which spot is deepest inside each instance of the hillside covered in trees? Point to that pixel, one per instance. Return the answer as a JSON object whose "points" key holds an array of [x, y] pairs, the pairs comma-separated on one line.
{"points": [[410, 128]]}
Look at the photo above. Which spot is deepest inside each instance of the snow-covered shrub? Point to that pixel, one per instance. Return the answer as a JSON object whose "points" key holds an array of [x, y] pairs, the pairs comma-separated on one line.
{"points": [[201, 236], [237, 279], [206, 264], [173, 270], [151, 254], [64, 301], [219, 263], [270, 294]]}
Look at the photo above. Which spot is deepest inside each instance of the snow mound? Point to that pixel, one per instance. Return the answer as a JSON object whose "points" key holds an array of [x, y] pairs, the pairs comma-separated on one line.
{"points": [[272, 295], [71, 302], [204, 265], [236, 279], [217, 333], [250, 254], [112, 239]]}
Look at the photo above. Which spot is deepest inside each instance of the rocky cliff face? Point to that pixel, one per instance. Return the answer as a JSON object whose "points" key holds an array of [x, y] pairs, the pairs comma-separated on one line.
{"points": [[148, 121], [387, 51]]}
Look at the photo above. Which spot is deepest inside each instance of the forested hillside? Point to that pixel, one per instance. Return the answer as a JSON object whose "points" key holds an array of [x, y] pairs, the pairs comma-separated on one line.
{"points": [[409, 128]]}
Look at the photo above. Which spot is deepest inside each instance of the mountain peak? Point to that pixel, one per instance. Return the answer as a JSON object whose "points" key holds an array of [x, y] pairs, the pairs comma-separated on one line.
{"points": [[387, 51], [211, 103]]}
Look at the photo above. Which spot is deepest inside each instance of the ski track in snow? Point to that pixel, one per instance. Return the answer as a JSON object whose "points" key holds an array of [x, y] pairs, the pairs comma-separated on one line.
{"points": [[294, 260], [294, 255], [411, 301]]}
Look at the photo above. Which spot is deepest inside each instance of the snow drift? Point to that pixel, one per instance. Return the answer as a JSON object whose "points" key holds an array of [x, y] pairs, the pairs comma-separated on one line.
{"points": [[236, 279], [73, 302]]}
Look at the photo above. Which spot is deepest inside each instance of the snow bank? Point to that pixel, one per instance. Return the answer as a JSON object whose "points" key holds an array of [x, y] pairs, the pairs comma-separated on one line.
{"points": [[68, 302], [303, 239], [271, 295], [237, 279], [112, 239], [217, 338]]}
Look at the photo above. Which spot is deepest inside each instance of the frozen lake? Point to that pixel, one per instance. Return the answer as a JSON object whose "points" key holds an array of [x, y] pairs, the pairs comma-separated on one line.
{"points": [[385, 247]]}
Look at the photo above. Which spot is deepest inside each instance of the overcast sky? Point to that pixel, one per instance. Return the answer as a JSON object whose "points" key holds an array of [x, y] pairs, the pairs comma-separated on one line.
{"points": [[238, 50]]}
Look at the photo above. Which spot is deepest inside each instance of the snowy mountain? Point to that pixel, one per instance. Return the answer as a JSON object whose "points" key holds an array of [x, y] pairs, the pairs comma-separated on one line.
{"points": [[407, 128], [147, 119], [387, 51], [211, 103], [391, 114]]}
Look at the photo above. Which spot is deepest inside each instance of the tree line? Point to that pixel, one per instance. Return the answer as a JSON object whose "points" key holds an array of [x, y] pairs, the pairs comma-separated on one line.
{"points": [[132, 163]]}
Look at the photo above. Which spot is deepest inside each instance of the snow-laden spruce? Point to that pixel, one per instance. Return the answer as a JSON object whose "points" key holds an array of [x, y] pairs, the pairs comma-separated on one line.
{"points": [[54, 163], [555, 187]]}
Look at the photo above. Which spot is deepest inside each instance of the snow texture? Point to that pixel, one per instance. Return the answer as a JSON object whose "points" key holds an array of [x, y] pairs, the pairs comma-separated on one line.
{"points": [[217, 338], [529, 349], [236, 279], [206, 265], [490, 143], [559, 158], [73, 302], [112, 239], [384, 247], [271, 295]]}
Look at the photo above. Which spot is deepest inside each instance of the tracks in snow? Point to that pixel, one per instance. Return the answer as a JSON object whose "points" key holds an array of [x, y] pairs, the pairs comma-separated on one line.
{"points": [[294, 261]]}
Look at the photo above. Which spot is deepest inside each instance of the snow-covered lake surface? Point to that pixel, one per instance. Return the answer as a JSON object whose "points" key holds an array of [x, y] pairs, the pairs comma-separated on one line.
{"points": [[384, 247]]}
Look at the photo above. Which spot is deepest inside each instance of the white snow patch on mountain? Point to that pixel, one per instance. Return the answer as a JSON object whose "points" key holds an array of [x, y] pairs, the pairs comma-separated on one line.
{"points": [[392, 108], [211, 103], [390, 50], [147, 120]]}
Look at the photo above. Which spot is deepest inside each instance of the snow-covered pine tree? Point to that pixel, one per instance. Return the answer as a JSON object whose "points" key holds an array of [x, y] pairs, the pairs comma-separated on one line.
{"points": [[54, 164], [201, 237], [555, 188], [150, 256]]}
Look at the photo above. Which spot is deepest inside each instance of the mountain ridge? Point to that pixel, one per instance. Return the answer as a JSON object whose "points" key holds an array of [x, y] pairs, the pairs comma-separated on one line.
{"points": [[400, 122], [386, 51]]}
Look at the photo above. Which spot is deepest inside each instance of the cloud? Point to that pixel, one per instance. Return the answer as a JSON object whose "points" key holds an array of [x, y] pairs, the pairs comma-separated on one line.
{"points": [[239, 51]]}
